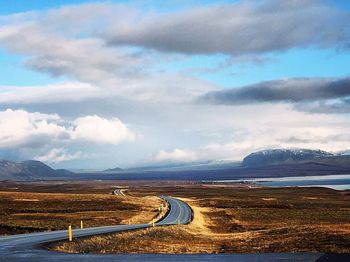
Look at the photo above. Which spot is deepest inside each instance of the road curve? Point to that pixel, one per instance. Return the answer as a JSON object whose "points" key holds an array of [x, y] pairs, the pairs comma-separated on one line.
{"points": [[119, 191], [28, 246], [180, 213]]}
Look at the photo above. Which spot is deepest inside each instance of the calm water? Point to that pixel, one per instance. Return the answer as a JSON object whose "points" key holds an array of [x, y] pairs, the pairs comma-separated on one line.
{"points": [[339, 182]]}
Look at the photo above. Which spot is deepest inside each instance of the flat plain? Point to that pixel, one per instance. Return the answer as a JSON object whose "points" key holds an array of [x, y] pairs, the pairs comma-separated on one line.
{"points": [[46, 206], [227, 218]]}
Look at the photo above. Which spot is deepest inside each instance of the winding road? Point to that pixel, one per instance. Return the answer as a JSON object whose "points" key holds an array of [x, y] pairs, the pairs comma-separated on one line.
{"points": [[28, 247]]}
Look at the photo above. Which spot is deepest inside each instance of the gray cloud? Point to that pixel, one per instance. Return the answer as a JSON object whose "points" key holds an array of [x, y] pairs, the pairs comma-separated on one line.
{"points": [[295, 140], [86, 59], [58, 44], [289, 90], [339, 106], [341, 137], [249, 27], [66, 42]]}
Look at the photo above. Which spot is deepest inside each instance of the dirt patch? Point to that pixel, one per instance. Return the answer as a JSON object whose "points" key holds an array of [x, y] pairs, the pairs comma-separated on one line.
{"points": [[27, 200], [269, 198]]}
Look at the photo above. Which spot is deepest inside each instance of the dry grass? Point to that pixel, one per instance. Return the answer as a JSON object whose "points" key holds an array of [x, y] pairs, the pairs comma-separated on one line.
{"points": [[22, 212], [238, 220], [149, 241]]}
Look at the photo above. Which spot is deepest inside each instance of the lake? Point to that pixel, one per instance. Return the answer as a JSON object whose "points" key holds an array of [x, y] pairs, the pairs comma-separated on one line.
{"points": [[338, 182]]}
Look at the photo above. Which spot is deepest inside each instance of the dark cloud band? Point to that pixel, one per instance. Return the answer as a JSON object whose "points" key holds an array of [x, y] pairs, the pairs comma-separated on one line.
{"points": [[293, 90], [249, 27]]}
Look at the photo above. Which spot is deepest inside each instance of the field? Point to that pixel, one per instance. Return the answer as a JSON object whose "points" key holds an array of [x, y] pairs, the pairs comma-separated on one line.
{"points": [[53, 206], [238, 219], [227, 219]]}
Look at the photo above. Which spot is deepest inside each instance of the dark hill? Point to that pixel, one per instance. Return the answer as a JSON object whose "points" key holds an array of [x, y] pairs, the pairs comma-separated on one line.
{"points": [[29, 170]]}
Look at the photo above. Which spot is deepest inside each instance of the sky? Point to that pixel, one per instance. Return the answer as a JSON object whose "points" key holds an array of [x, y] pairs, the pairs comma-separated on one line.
{"points": [[101, 84]]}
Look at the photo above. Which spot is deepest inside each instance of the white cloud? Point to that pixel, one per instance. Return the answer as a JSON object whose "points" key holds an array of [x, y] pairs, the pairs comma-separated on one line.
{"points": [[58, 155], [68, 91], [99, 130], [177, 155], [164, 89], [20, 128], [235, 131]]}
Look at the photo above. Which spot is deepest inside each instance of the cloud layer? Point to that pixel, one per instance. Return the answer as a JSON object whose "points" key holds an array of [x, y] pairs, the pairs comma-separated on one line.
{"points": [[52, 47], [248, 27], [177, 155], [58, 155], [287, 90]]}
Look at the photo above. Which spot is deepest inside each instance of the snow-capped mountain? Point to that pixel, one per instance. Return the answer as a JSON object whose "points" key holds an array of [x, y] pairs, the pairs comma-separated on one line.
{"points": [[283, 156]]}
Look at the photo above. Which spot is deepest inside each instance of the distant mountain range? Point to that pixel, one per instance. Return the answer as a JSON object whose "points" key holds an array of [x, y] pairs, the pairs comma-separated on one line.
{"points": [[283, 156], [30, 170], [195, 165], [267, 163]]}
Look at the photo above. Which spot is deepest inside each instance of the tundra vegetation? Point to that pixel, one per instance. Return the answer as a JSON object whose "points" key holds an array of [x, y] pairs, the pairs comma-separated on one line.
{"points": [[227, 218]]}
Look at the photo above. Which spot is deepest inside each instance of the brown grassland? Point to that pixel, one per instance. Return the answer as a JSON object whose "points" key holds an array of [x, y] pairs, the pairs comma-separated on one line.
{"points": [[230, 219], [45, 209]]}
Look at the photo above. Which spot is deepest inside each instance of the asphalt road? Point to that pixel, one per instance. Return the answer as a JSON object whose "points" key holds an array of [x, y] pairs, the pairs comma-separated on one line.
{"points": [[180, 213]]}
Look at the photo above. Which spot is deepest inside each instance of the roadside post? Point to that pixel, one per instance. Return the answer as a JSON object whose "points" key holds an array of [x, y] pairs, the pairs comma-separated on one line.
{"points": [[81, 224], [70, 233]]}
